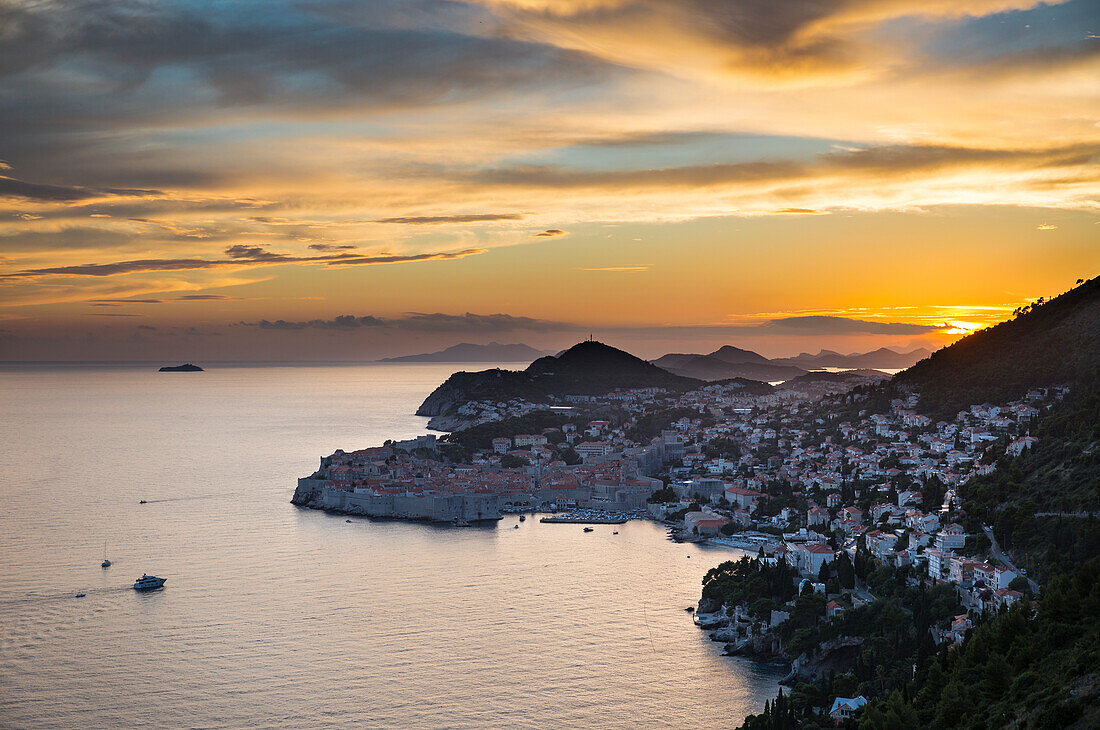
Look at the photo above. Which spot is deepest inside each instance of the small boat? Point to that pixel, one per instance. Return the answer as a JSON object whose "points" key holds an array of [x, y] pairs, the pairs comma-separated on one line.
{"points": [[106, 563], [148, 583], [80, 595], [690, 609], [522, 518], [616, 532], [142, 502], [347, 520], [588, 529], [515, 527]]}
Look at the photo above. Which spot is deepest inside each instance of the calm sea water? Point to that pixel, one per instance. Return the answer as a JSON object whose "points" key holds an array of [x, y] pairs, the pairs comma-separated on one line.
{"points": [[274, 616]]}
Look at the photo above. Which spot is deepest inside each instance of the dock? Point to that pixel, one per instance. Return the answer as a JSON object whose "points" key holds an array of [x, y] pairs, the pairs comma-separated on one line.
{"points": [[583, 520]]}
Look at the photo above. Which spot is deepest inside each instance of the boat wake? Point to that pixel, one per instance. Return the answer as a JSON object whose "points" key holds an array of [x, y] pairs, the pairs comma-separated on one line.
{"points": [[42, 598], [182, 499]]}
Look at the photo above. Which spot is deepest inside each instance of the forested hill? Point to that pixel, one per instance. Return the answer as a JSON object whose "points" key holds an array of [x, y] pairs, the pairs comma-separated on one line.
{"points": [[1038, 502], [587, 368], [1050, 342]]}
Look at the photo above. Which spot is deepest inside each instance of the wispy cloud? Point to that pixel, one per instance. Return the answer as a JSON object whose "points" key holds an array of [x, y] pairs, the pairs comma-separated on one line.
{"points": [[434, 220], [240, 256], [420, 322], [184, 298]]}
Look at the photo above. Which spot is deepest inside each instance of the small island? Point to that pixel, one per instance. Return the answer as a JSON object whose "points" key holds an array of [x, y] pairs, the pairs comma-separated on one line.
{"points": [[185, 368]]}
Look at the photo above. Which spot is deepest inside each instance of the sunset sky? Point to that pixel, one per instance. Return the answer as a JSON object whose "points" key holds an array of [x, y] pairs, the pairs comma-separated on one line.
{"points": [[335, 180]]}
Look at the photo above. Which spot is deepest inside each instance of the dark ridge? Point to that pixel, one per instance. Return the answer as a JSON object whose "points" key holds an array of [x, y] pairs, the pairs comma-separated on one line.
{"points": [[1048, 343], [587, 368]]}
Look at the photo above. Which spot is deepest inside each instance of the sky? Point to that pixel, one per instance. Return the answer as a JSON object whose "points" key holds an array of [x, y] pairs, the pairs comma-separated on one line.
{"points": [[323, 180]]}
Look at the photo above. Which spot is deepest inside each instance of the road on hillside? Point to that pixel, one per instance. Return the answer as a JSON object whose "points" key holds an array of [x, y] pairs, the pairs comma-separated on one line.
{"points": [[997, 553]]}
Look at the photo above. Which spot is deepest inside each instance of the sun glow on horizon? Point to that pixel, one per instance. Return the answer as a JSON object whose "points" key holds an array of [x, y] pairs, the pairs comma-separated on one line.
{"points": [[643, 165], [959, 327]]}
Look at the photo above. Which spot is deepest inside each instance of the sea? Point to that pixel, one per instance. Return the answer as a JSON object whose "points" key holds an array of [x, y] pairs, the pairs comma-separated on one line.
{"points": [[279, 616]]}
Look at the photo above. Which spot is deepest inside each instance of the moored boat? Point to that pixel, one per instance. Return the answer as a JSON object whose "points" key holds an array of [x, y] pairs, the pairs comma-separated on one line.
{"points": [[148, 583]]}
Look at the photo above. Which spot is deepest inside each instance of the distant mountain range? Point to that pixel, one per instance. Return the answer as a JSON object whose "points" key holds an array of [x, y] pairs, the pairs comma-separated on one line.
{"points": [[587, 368], [883, 357], [732, 362], [467, 352]]}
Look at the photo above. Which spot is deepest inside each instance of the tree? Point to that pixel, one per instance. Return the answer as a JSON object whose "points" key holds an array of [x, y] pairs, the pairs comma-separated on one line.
{"points": [[510, 461], [569, 456], [662, 496]]}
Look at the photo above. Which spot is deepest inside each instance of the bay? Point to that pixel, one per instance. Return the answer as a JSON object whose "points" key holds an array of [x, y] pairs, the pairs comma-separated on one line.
{"points": [[275, 616]]}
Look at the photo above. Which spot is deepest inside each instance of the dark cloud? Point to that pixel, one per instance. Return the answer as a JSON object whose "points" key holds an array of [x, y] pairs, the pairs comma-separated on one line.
{"points": [[116, 302], [67, 238], [297, 58], [342, 322], [239, 256], [826, 325], [755, 34], [331, 247], [880, 161], [478, 323], [549, 176], [184, 298], [12, 188], [255, 253], [421, 322], [549, 233], [497, 323], [437, 219]]}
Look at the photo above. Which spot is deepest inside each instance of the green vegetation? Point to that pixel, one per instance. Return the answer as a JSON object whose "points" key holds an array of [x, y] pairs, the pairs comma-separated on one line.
{"points": [[569, 456], [761, 586], [513, 462], [662, 496], [653, 422], [1030, 500], [1018, 669], [892, 634], [481, 436]]}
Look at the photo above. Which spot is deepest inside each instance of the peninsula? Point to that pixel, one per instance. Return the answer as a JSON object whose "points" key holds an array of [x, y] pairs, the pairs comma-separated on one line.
{"points": [[467, 352], [895, 523]]}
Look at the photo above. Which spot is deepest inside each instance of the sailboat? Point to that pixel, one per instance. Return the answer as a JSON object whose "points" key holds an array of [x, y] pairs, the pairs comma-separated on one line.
{"points": [[106, 563]]}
